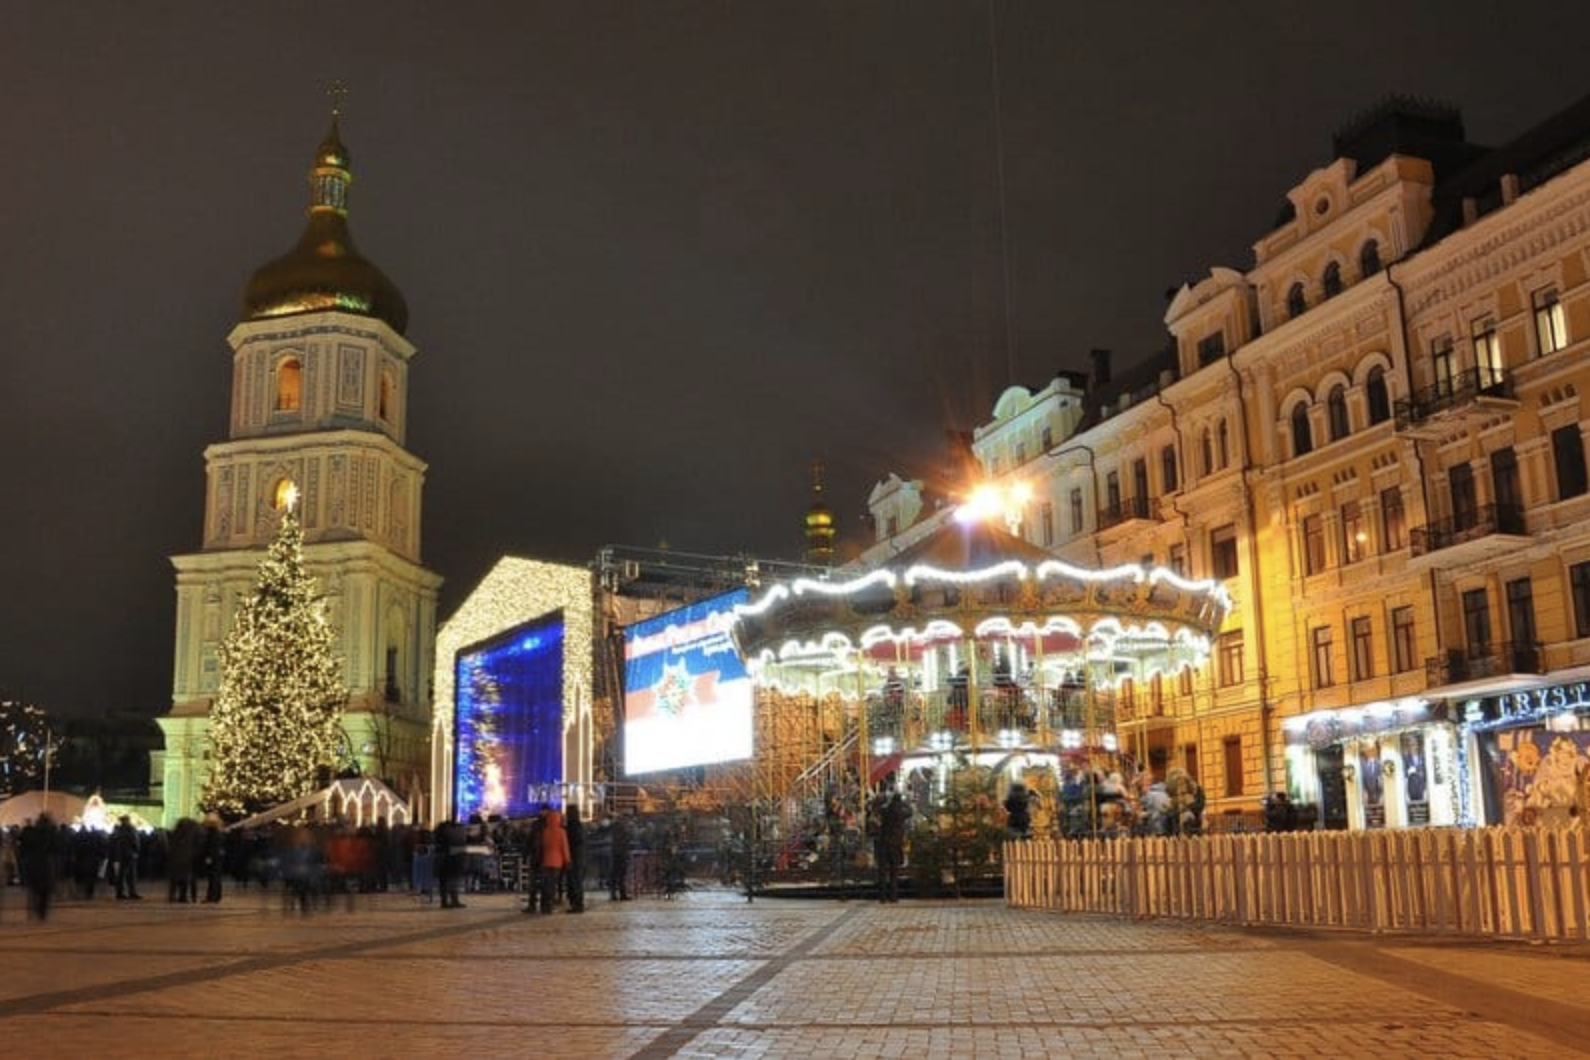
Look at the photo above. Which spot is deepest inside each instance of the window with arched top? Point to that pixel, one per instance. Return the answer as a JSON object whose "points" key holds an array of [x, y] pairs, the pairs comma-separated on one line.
{"points": [[385, 399], [1331, 281], [289, 385], [1302, 440], [1206, 452], [1336, 412], [1369, 258], [285, 495], [1379, 395], [1295, 302], [1223, 444]]}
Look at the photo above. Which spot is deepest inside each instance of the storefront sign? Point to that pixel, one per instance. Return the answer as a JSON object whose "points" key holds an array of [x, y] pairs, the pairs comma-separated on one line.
{"points": [[1554, 699], [1526, 705]]}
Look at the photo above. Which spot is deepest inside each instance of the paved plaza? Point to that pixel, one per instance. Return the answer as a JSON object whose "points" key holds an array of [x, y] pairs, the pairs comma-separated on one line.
{"points": [[708, 974]]}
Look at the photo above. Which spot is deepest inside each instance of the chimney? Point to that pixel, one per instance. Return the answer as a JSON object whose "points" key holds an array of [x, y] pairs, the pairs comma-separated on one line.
{"points": [[1101, 367]]}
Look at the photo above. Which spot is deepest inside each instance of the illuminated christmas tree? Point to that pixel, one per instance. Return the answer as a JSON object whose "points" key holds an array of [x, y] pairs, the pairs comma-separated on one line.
{"points": [[276, 723], [24, 739]]}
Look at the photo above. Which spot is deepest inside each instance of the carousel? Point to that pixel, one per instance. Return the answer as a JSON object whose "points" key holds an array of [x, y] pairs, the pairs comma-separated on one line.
{"points": [[971, 652]]}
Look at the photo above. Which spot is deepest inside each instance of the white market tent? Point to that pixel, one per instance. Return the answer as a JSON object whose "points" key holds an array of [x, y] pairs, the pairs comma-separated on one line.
{"points": [[356, 800], [63, 806]]}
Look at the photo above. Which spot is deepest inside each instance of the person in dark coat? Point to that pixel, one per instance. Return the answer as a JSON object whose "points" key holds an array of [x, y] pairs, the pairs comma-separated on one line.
{"points": [[451, 839], [574, 875], [88, 849], [182, 851], [532, 863], [212, 857], [124, 849], [1018, 811], [39, 851], [620, 843], [894, 822]]}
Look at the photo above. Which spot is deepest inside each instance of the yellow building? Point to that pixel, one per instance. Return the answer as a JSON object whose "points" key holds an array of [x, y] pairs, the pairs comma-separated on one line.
{"points": [[1375, 435]]}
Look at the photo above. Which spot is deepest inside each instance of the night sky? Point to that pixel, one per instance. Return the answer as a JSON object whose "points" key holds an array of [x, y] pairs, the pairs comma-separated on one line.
{"points": [[658, 256]]}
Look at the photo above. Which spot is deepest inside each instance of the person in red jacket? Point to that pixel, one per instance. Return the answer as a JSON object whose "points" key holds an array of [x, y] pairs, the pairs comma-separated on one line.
{"points": [[554, 857]]}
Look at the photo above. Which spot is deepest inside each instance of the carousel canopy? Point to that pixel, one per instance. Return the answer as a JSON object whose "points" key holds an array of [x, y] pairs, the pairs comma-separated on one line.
{"points": [[978, 581]]}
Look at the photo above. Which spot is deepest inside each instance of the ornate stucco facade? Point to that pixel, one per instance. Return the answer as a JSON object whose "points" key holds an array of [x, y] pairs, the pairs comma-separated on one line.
{"points": [[319, 402], [1376, 435]]}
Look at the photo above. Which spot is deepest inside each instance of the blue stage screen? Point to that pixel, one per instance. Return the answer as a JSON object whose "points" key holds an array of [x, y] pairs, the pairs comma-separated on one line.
{"points": [[508, 721], [687, 696]]}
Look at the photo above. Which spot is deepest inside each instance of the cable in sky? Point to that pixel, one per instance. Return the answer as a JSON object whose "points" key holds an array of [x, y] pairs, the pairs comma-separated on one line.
{"points": [[1004, 224]]}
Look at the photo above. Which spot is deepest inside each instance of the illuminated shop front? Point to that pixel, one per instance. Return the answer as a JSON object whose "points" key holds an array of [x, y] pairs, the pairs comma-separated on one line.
{"points": [[1527, 755], [1383, 765]]}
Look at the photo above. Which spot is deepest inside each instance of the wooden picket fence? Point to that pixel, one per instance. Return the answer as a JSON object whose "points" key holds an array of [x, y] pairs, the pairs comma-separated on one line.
{"points": [[1503, 882]]}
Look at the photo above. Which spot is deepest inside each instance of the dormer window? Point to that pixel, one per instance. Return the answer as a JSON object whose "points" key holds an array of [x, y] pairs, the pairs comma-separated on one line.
{"points": [[1296, 304], [1211, 348], [1332, 280], [1369, 258]]}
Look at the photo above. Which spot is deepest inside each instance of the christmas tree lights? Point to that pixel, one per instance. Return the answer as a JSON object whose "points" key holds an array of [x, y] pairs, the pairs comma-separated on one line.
{"points": [[276, 723]]}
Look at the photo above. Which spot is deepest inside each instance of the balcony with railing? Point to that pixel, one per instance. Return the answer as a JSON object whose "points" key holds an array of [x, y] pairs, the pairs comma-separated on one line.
{"points": [[1480, 533], [1480, 661], [1126, 510], [1483, 392]]}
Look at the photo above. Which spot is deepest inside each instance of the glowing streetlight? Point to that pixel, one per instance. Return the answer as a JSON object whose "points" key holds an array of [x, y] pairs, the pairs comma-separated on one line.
{"points": [[991, 501]]}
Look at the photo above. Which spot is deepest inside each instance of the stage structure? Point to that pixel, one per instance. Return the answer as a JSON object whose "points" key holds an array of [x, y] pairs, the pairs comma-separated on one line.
{"points": [[971, 647], [514, 727]]}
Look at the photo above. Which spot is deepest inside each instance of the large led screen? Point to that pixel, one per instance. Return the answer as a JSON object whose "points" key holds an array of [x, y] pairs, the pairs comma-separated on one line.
{"points": [[687, 697], [508, 721]]}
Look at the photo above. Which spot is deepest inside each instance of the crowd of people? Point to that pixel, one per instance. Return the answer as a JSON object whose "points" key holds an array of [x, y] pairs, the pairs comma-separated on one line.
{"points": [[547, 858], [315, 865], [194, 858], [550, 850]]}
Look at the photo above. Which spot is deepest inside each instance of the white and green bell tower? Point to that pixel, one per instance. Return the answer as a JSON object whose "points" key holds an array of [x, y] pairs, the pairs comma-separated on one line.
{"points": [[320, 383]]}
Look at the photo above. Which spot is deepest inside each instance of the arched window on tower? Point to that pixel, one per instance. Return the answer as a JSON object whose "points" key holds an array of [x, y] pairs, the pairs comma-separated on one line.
{"points": [[1332, 280], [285, 495], [384, 408], [1379, 396], [1223, 444], [1206, 452], [289, 385], [1369, 258], [1295, 302], [1336, 409], [1302, 440]]}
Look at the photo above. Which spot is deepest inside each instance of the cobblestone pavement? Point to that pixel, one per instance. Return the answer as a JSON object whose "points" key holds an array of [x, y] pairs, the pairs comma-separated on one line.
{"points": [[709, 975]]}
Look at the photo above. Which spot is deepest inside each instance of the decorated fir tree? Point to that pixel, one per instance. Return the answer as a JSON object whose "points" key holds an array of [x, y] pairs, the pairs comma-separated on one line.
{"points": [[24, 746], [276, 723]]}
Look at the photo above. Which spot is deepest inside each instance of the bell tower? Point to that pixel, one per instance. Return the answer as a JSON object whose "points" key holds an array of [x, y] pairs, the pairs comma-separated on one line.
{"points": [[320, 376]]}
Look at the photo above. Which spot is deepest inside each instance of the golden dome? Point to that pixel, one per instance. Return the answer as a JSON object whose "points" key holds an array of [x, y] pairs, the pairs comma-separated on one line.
{"points": [[819, 522], [325, 271]]}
